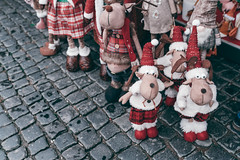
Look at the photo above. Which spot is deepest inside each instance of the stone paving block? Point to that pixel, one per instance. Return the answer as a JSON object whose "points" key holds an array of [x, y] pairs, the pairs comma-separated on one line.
{"points": [[58, 104], [25, 121], [131, 135], [51, 68], [5, 59], [19, 154], [67, 114], [44, 86], [24, 41], [109, 130], [75, 75], [170, 116], [217, 152], [63, 83], [166, 154], [181, 147], [231, 89], [204, 144], [133, 152], [26, 90], [224, 115], [228, 74], [166, 132], [46, 117], [86, 107], [38, 145], [32, 133], [222, 97], [123, 122], [32, 98], [101, 152], [93, 90], [37, 107], [7, 93], [29, 46], [216, 130], [89, 138], [27, 64], [14, 48], [18, 111], [152, 145], [50, 95], [35, 77], [100, 100], [10, 65], [64, 141], [66, 91], [98, 119], [219, 82], [7, 131], [119, 142], [2, 155], [76, 97], [54, 129], [5, 85], [48, 154], [56, 75], [31, 70], [4, 120], [77, 125], [20, 83], [114, 110], [196, 155], [230, 142], [3, 76], [16, 77], [9, 42], [36, 55], [11, 143], [82, 82], [58, 59], [74, 153], [233, 105]]}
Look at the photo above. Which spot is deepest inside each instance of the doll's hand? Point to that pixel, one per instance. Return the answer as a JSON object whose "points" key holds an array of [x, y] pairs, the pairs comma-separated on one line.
{"points": [[145, 13], [125, 97], [182, 104], [190, 120], [135, 63]]}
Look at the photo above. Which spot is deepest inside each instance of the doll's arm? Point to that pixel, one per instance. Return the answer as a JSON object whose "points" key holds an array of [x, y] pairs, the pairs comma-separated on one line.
{"points": [[89, 9], [182, 96], [165, 60], [125, 97], [136, 41], [105, 38]]}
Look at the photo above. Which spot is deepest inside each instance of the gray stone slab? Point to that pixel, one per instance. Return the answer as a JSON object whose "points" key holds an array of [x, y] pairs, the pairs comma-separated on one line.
{"points": [[119, 142], [83, 82], [133, 153], [18, 111], [26, 90], [20, 83], [76, 97], [64, 141], [46, 117], [50, 95], [230, 142], [37, 107], [3, 76], [16, 76], [79, 124], [170, 116], [54, 129], [32, 133], [93, 90], [101, 152], [32, 98], [166, 154], [223, 115], [166, 132], [131, 135], [217, 152], [11, 143], [70, 89], [3, 155], [7, 131], [97, 118], [100, 100], [56, 75], [74, 153], [152, 145], [67, 114], [38, 145], [48, 154], [7, 93], [35, 77], [5, 85], [216, 130], [63, 83], [25, 121], [4, 120], [109, 130], [19, 153], [89, 138], [123, 122], [58, 104], [196, 155], [86, 107]]}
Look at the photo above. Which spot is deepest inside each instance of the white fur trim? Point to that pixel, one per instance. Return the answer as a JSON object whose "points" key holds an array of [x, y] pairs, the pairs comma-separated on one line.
{"points": [[195, 22], [72, 51], [187, 31], [85, 51], [223, 35], [41, 13], [43, 1], [143, 126], [154, 42], [98, 9], [203, 35], [171, 92], [200, 72], [51, 46], [135, 88], [175, 75], [71, 2], [196, 127], [165, 60], [88, 15], [229, 17], [179, 46], [101, 61], [148, 69], [161, 85], [56, 42], [55, 3]]}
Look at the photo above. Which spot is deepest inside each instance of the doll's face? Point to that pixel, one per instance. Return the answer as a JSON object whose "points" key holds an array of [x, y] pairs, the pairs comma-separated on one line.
{"points": [[113, 16], [176, 56]]}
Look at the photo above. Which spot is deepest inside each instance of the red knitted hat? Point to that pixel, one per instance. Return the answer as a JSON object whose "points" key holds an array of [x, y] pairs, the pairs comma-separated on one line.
{"points": [[177, 34], [193, 49], [147, 56]]}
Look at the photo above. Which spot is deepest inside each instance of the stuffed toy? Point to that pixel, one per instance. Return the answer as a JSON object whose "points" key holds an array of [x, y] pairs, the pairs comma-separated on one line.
{"points": [[65, 17], [173, 69], [119, 38], [41, 13], [158, 18], [208, 33], [196, 97], [93, 10], [145, 97], [227, 5]]}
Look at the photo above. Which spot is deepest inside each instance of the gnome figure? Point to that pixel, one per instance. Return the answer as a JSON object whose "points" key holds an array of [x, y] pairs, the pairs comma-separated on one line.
{"points": [[208, 33], [197, 95], [171, 62], [144, 96]]}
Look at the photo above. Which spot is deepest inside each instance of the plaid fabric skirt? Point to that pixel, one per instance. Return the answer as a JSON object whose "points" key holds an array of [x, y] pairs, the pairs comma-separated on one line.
{"points": [[66, 20]]}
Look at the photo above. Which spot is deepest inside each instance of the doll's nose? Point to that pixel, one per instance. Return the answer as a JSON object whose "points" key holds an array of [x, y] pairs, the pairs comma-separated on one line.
{"points": [[109, 8], [152, 85], [203, 90]]}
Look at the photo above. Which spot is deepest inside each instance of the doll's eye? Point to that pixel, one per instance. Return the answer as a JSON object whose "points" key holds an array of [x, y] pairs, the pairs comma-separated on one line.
{"points": [[204, 77], [197, 77]]}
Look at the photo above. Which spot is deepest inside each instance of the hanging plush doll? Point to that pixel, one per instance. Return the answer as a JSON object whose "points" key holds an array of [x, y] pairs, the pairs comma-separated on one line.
{"points": [[197, 95], [158, 18], [208, 33], [65, 17], [93, 10], [119, 38], [173, 69], [144, 96]]}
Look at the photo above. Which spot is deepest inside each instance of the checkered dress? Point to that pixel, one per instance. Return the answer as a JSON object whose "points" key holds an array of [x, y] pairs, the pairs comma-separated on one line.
{"points": [[67, 20], [199, 117], [139, 116]]}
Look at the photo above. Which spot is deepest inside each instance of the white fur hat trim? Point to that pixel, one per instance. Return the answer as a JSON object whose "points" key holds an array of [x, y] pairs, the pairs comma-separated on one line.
{"points": [[154, 42], [72, 51], [179, 46], [148, 69], [187, 31], [200, 72], [196, 22]]}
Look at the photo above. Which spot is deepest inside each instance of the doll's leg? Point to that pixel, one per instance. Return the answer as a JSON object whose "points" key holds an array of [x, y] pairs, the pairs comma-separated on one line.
{"points": [[41, 14], [171, 94], [72, 56], [49, 49], [140, 132], [85, 61], [152, 131]]}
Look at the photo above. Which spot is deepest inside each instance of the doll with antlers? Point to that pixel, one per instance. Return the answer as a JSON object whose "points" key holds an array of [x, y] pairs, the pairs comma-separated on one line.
{"points": [[197, 95], [144, 96]]}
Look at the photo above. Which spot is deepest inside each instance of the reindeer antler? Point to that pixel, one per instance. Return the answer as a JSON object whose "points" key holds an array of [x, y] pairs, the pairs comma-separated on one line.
{"points": [[135, 5], [178, 63]]}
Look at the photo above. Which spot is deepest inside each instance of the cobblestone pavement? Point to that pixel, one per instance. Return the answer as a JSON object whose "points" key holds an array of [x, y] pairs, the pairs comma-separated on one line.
{"points": [[49, 113]]}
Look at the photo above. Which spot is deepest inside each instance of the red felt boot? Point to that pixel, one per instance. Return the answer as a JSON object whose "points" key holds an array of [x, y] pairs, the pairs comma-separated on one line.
{"points": [[41, 24], [190, 136], [152, 132], [202, 136], [170, 101], [140, 135]]}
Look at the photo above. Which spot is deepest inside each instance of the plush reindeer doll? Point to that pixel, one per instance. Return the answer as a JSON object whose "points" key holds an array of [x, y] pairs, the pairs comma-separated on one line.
{"points": [[119, 38], [65, 17], [144, 96], [197, 95], [170, 61]]}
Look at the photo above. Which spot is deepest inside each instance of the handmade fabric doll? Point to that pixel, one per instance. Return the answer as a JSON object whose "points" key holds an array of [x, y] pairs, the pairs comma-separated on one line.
{"points": [[158, 18], [144, 96], [65, 17], [197, 95], [208, 33], [227, 5], [118, 54], [170, 62], [93, 10]]}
